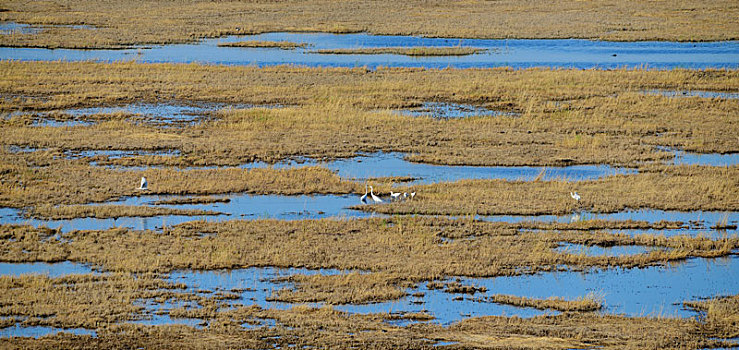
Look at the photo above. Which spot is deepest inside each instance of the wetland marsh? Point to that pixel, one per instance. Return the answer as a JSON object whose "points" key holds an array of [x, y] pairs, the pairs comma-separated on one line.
{"points": [[258, 136]]}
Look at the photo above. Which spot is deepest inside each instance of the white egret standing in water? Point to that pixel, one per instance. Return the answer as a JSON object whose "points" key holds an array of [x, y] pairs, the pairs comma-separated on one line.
{"points": [[144, 184], [374, 198], [575, 196], [394, 195], [363, 199]]}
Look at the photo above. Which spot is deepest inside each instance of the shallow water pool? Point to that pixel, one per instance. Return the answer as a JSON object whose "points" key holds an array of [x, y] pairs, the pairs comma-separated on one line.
{"points": [[519, 53]]}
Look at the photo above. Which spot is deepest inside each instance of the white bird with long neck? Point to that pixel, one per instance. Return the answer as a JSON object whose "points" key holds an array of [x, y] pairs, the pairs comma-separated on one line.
{"points": [[575, 196], [144, 184], [374, 197], [394, 195], [363, 199], [413, 194]]}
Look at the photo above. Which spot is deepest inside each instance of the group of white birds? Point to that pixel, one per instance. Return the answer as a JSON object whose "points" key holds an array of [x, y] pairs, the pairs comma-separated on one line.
{"points": [[394, 196]]}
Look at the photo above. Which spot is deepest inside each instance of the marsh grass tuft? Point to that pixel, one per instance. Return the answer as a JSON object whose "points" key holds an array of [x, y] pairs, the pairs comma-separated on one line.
{"points": [[405, 51], [50, 212], [587, 303], [284, 45]]}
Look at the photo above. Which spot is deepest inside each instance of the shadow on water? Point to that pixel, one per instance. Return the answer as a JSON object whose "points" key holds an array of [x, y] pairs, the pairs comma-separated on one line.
{"points": [[520, 53]]}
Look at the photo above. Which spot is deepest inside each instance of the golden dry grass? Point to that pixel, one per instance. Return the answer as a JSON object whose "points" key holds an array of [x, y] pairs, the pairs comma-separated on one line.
{"points": [[101, 301], [721, 315], [159, 22], [664, 187], [565, 116], [192, 200], [285, 45], [25, 184], [51, 212], [324, 327], [395, 253], [581, 330], [87, 301], [587, 303], [405, 51]]}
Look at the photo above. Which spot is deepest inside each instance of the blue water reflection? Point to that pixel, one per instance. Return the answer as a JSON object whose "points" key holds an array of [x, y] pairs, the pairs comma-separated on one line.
{"points": [[519, 53]]}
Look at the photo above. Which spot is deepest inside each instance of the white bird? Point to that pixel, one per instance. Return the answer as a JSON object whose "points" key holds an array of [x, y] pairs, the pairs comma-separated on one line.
{"points": [[405, 195], [575, 196], [374, 198], [394, 195], [144, 184], [413, 194], [364, 198]]}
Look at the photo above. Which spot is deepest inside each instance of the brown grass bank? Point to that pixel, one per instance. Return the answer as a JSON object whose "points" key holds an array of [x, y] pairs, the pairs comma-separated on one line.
{"points": [[405, 51], [110, 211], [285, 45], [159, 22], [587, 303]]}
